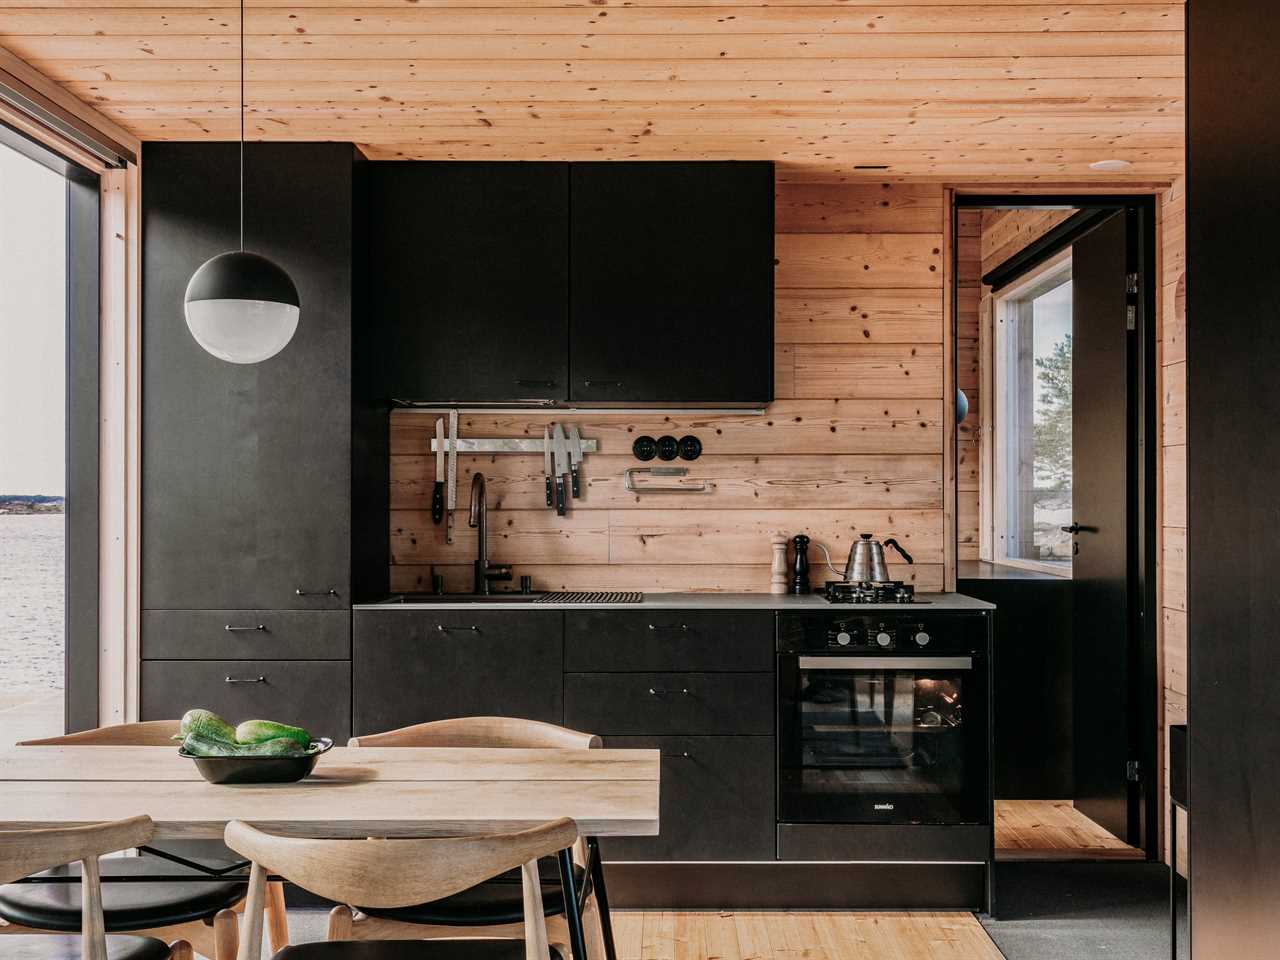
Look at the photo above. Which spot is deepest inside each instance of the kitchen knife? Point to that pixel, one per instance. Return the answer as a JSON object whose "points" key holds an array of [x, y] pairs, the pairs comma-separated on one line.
{"points": [[546, 464], [437, 492], [575, 458], [561, 452], [451, 484]]}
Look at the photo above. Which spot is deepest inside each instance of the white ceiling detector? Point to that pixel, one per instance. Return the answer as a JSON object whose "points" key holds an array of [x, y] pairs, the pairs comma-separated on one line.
{"points": [[1110, 166]]}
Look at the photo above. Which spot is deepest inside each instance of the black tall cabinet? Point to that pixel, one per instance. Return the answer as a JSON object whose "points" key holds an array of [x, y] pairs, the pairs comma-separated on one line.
{"points": [[246, 470], [1233, 540]]}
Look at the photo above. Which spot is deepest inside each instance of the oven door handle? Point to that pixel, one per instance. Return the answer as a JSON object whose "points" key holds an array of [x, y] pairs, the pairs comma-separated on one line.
{"points": [[886, 663]]}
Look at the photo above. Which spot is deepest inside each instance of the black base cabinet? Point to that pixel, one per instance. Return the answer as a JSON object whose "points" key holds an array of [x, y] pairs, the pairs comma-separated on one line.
{"points": [[411, 666], [717, 800]]}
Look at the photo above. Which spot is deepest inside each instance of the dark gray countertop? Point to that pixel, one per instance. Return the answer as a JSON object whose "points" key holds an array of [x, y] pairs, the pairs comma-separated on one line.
{"points": [[704, 601]]}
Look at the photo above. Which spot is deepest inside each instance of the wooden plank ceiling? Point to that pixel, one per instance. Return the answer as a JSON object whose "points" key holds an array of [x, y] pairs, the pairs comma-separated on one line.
{"points": [[931, 89]]}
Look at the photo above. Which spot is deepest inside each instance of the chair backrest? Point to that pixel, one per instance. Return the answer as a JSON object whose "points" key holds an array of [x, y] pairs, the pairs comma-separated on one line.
{"points": [[481, 732], [396, 873], [148, 733], [24, 852]]}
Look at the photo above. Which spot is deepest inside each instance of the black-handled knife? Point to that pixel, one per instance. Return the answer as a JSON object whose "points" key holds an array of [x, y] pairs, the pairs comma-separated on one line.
{"points": [[562, 466], [437, 491], [546, 465]]}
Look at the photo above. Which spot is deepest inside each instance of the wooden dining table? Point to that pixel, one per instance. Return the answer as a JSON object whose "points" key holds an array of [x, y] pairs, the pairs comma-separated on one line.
{"points": [[353, 792]]}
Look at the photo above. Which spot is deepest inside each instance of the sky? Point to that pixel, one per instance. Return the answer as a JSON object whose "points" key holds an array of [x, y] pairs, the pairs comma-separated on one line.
{"points": [[32, 327]]}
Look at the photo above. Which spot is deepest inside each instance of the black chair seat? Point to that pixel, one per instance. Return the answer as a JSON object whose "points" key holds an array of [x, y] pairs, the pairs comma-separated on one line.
{"points": [[409, 950], [126, 906], [54, 946], [496, 901]]}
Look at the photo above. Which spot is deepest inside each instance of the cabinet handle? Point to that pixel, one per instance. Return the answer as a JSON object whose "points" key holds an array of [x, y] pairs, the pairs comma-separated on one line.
{"points": [[685, 755], [443, 629], [602, 383], [662, 692], [244, 679], [260, 627], [549, 384], [315, 593], [668, 626]]}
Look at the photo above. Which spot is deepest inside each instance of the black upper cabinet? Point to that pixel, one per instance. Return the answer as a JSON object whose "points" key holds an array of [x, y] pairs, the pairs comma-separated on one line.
{"points": [[246, 468], [671, 283], [468, 268]]}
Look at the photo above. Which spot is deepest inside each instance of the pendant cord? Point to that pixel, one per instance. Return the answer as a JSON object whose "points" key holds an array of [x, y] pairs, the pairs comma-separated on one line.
{"points": [[242, 126]]}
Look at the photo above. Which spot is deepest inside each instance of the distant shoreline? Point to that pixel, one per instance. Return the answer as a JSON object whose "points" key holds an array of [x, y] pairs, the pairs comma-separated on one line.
{"points": [[28, 504]]}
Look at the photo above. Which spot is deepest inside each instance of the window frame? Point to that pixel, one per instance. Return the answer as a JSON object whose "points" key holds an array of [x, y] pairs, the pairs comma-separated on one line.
{"points": [[1041, 279]]}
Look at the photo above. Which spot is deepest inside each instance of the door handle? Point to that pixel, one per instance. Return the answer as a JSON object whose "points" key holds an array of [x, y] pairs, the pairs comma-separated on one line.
{"points": [[662, 692], [244, 679], [443, 629], [885, 663], [1078, 528], [315, 593], [602, 383], [549, 384], [684, 755], [668, 626], [260, 627]]}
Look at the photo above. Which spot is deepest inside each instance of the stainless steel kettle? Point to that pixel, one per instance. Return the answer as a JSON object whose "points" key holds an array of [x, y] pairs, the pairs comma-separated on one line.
{"points": [[866, 561]]}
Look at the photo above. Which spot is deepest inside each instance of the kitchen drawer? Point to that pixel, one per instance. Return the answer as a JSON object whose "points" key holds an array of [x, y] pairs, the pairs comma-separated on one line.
{"points": [[607, 640], [411, 666], [315, 694], [670, 703], [717, 800], [246, 634]]}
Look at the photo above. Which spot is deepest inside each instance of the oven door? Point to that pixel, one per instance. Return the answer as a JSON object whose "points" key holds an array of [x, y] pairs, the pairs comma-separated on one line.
{"points": [[882, 739]]}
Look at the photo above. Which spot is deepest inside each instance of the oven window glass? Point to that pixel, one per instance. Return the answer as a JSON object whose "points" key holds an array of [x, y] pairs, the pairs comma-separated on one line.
{"points": [[878, 745]]}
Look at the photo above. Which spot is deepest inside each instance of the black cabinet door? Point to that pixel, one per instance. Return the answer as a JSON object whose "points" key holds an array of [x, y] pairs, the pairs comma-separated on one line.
{"points": [[410, 666], [246, 468], [672, 282], [717, 800], [467, 268]]}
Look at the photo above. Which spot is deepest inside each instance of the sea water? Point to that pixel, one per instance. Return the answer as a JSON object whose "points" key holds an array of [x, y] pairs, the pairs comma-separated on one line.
{"points": [[32, 589]]}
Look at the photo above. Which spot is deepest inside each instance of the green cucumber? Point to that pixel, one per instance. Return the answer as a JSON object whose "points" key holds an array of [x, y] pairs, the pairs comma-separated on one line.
{"points": [[206, 724], [200, 746], [260, 731]]}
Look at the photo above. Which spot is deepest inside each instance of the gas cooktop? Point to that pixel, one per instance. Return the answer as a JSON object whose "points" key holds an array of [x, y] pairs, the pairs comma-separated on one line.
{"points": [[892, 591]]}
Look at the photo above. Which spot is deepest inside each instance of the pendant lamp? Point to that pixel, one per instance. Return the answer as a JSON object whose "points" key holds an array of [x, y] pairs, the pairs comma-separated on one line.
{"points": [[242, 307]]}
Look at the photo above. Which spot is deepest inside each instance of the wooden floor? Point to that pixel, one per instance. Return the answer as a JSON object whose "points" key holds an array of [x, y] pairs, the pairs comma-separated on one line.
{"points": [[1053, 830], [801, 936]]}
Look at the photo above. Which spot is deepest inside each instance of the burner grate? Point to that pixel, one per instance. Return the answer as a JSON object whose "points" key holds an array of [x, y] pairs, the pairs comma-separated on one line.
{"points": [[592, 596]]}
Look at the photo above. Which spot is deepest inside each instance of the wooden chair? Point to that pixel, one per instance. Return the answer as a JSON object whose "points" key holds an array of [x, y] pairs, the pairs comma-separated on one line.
{"points": [[204, 914], [26, 852], [399, 873], [491, 909]]}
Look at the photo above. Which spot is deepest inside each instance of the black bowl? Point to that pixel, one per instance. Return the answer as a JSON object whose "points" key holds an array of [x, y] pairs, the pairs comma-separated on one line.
{"points": [[259, 769]]}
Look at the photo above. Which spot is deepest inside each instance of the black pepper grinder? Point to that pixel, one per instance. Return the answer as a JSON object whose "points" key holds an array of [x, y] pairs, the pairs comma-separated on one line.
{"points": [[800, 570]]}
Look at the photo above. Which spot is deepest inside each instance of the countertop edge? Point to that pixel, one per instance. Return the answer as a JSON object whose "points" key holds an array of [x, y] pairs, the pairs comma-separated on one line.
{"points": [[946, 602]]}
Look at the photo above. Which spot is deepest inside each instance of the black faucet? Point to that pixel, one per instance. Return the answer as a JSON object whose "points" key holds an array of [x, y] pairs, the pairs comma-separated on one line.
{"points": [[485, 572]]}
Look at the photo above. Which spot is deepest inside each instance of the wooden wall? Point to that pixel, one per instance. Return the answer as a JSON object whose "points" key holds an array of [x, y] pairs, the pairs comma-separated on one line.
{"points": [[1173, 506], [984, 240], [852, 444]]}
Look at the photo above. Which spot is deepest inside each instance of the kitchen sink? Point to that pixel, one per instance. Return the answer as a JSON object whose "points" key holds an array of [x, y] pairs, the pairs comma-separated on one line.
{"points": [[464, 598]]}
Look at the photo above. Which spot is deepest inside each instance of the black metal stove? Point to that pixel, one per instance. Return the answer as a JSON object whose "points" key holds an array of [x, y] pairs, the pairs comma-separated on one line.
{"points": [[892, 591]]}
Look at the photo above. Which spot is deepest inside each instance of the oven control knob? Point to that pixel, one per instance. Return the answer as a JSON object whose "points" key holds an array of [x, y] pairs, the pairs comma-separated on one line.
{"points": [[922, 639], [843, 638], [883, 638]]}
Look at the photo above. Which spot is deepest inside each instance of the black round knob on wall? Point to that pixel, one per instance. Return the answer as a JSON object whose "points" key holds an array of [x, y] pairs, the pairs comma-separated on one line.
{"points": [[690, 448], [668, 448], [644, 448]]}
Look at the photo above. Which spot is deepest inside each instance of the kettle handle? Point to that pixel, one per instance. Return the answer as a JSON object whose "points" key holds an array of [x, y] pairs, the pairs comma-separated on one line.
{"points": [[894, 543]]}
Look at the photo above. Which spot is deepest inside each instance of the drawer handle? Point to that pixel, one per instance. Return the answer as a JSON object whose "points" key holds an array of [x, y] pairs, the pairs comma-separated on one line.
{"points": [[602, 383], [443, 629], [549, 384], [662, 691], [315, 593], [685, 755], [668, 626], [244, 679], [260, 627]]}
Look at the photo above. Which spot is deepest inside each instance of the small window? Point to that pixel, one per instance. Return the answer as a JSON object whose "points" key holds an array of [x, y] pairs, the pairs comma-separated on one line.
{"points": [[1032, 439]]}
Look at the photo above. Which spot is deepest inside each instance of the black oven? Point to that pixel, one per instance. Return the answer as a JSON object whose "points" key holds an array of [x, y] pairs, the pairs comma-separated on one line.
{"points": [[883, 718]]}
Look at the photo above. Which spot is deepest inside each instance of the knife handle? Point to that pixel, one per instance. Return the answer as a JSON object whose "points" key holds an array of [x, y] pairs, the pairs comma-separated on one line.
{"points": [[560, 504], [437, 502], [550, 494], [573, 479]]}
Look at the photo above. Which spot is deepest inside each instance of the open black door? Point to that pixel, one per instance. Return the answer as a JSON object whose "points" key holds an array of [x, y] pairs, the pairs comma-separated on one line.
{"points": [[1101, 485]]}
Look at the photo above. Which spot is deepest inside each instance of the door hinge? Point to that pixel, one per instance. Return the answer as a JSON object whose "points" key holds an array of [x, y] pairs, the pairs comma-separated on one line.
{"points": [[1131, 283], [1133, 771], [1131, 318]]}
